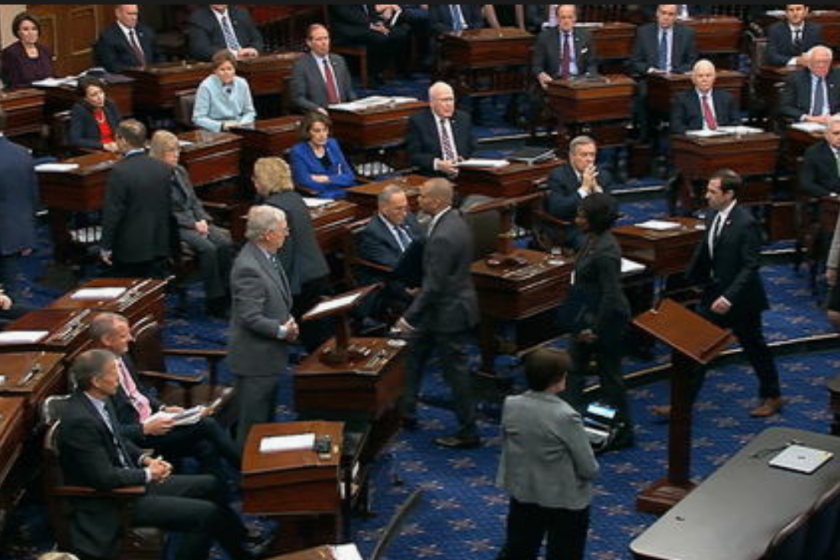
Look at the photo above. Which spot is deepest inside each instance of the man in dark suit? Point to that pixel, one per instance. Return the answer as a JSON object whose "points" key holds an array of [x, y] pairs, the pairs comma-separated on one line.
{"points": [[813, 93], [261, 322], [788, 40], [126, 43], [137, 214], [322, 78], [94, 453], [136, 407], [18, 202], [819, 173], [703, 108], [222, 26], [727, 265], [439, 137], [563, 51], [570, 183], [443, 315], [444, 18]]}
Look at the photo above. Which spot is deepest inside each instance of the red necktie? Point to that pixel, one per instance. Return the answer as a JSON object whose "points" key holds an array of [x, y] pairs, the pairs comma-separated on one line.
{"points": [[135, 46], [332, 91], [708, 116], [566, 57]]}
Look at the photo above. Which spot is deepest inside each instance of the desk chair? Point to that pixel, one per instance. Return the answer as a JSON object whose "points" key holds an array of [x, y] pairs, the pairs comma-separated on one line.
{"points": [[184, 103]]}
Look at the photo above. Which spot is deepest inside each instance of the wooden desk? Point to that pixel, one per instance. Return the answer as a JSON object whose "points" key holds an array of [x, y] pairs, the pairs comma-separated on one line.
{"points": [[377, 127], [612, 39], [329, 221], [662, 88], [141, 297], [267, 137], [798, 141], [662, 252], [66, 331], [829, 20], [269, 73], [511, 291], [156, 85], [121, 92], [13, 435], [514, 180], [736, 512], [24, 111], [365, 196], [717, 34], [211, 156], [34, 376]]}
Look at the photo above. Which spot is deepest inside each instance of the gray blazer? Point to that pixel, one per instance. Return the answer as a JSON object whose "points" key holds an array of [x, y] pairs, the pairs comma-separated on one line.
{"points": [[262, 302], [308, 87], [546, 457]]}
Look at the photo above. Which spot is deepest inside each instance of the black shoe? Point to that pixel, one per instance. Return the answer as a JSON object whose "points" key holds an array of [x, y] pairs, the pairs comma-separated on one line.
{"points": [[409, 423], [624, 438], [457, 442], [218, 307]]}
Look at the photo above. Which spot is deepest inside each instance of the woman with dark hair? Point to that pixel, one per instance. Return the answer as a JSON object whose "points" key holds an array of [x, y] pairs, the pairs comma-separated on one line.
{"points": [[93, 119], [602, 312], [317, 162], [223, 99], [26, 61]]}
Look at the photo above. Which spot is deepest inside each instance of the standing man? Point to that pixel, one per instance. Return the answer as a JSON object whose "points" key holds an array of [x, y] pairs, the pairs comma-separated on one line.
{"points": [[439, 137], [126, 43], [222, 26], [563, 51], [813, 93], [444, 314], [136, 216], [261, 322], [789, 40], [322, 78]]}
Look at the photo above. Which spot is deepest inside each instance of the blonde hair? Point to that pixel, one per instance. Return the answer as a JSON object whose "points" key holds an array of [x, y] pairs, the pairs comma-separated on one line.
{"points": [[162, 142], [273, 175]]}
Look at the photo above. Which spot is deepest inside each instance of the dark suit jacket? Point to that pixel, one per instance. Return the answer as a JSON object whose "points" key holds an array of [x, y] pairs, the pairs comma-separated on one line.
{"points": [[126, 414], [18, 198], [114, 53], [186, 207], [262, 301], [598, 283], [563, 199], [308, 87], [377, 244], [206, 37], [349, 24], [137, 213], [84, 131], [300, 255], [780, 47], [795, 99], [818, 172], [733, 272], [424, 144], [546, 57], [687, 114], [440, 17], [646, 49], [447, 302]]}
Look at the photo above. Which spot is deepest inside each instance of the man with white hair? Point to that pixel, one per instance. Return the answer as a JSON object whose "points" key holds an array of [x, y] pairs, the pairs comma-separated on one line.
{"points": [[819, 174], [813, 93], [261, 323], [439, 137], [703, 108]]}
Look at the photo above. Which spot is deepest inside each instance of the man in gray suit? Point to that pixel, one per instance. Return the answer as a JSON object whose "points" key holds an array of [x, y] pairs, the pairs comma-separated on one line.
{"points": [[444, 313], [322, 78], [261, 323]]}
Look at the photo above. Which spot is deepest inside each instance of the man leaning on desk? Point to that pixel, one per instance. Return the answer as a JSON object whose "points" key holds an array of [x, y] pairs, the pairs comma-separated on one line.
{"points": [[222, 26], [322, 78], [813, 93]]}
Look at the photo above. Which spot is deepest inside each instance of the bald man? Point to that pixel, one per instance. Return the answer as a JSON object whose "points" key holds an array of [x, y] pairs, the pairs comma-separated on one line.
{"points": [[703, 107], [813, 93], [126, 43]]}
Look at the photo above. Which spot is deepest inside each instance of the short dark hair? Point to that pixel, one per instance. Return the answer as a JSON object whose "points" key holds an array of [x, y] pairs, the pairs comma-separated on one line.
{"points": [[90, 365], [546, 366], [729, 181], [133, 132], [222, 56], [20, 18], [2, 119], [600, 211], [309, 120], [88, 81]]}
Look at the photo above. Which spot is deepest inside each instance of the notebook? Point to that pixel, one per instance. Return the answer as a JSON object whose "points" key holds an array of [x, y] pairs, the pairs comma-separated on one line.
{"points": [[801, 459]]}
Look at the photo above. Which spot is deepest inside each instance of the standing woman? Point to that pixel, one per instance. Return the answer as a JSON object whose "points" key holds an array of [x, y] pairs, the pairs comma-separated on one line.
{"points": [[223, 99], [94, 119], [603, 312], [318, 164], [26, 61]]}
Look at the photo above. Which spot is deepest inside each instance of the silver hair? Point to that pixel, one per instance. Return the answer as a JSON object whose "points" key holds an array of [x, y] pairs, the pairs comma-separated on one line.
{"points": [[262, 219]]}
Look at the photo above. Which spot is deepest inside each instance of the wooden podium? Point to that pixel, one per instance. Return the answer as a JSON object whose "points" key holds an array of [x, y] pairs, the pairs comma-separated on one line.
{"points": [[514, 180], [694, 341], [380, 126], [141, 297]]}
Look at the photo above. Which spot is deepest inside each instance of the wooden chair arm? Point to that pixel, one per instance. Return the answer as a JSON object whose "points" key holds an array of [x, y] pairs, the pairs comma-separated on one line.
{"points": [[177, 378], [220, 206], [372, 265], [206, 353], [88, 492]]}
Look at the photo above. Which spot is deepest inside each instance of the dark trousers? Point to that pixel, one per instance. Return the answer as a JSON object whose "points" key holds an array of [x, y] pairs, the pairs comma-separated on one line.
{"points": [[528, 524], [256, 399], [205, 440], [454, 360], [316, 332], [155, 268], [214, 257]]}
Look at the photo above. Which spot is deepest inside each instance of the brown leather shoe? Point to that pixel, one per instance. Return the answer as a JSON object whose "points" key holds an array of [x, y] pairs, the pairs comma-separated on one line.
{"points": [[663, 410], [768, 407]]}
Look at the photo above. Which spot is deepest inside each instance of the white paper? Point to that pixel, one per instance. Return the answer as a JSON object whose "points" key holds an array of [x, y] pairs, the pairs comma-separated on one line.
{"points": [[98, 293], [287, 443], [706, 133], [478, 162], [345, 552], [187, 417], [659, 225], [21, 337], [316, 202], [740, 130], [56, 82], [631, 267], [56, 167], [334, 303], [184, 143], [371, 102], [808, 126]]}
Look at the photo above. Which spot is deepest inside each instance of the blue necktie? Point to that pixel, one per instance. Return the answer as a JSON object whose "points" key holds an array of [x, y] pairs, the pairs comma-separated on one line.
{"points": [[457, 19], [663, 50], [819, 98], [404, 238], [230, 37]]}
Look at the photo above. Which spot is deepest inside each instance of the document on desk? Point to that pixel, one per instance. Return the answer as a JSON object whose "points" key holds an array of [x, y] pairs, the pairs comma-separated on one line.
{"points": [[335, 303], [631, 267], [98, 293], [56, 167], [345, 552], [659, 225], [295, 442], [316, 202], [371, 102], [740, 130], [808, 127], [22, 337], [800, 458], [480, 162]]}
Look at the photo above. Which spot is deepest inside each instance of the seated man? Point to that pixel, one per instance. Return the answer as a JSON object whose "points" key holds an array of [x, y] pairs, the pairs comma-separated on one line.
{"points": [[563, 51], [813, 93], [135, 406], [322, 78], [439, 137], [703, 108], [94, 453], [568, 185], [788, 40], [818, 173], [9, 310], [222, 26], [444, 18], [126, 43]]}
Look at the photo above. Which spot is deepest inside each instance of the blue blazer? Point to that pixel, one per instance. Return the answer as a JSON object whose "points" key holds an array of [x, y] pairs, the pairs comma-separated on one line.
{"points": [[18, 198], [304, 164], [213, 105]]}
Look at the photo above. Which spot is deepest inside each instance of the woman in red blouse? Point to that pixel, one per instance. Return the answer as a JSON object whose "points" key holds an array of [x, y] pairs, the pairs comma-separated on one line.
{"points": [[94, 119]]}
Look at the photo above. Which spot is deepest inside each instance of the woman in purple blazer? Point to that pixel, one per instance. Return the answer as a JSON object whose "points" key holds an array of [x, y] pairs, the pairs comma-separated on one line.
{"points": [[26, 61], [317, 162]]}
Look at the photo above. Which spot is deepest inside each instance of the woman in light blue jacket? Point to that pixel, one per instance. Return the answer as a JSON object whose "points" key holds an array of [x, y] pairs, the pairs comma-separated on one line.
{"points": [[223, 99]]}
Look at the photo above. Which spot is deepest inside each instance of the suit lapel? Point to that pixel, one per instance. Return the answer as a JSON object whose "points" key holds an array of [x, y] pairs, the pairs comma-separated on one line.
{"points": [[276, 274]]}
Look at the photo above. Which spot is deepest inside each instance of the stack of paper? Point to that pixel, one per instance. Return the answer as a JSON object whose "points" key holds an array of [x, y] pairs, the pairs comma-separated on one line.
{"points": [[371, 102], [808, 126], [22, 337], [316, 202], [345, 551], [56, 167], [659, 225], [478, 162], [287, 443], [98, 293]]}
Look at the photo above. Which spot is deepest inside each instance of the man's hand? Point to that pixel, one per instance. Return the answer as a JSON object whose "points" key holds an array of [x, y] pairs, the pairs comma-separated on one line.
{"points": [[587, 336], [822, 119], [379, 27], [292, 330], [172, 409], [544, 79], [5, 301], [160, 469], [721, 306], [105, 256], [247, 52], [157, 426], [831, 276], [403, 326], [589, 180], [202, 228], [447, 166]]}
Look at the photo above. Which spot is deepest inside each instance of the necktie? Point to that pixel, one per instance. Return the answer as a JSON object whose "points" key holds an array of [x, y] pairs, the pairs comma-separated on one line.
{"points": [[457, 18], [708, 115], [819, 98], [446, 142], [122, 454], [566, 57], [135, 46], [403, 237], [714, 234], [797, 40], [138, 399], [230, 37], [663, 51], [332, 91]]}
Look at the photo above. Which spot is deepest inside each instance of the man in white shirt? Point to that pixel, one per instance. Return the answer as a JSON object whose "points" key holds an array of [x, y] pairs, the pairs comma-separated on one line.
{"points": [[126, 43], [322, 78]]}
